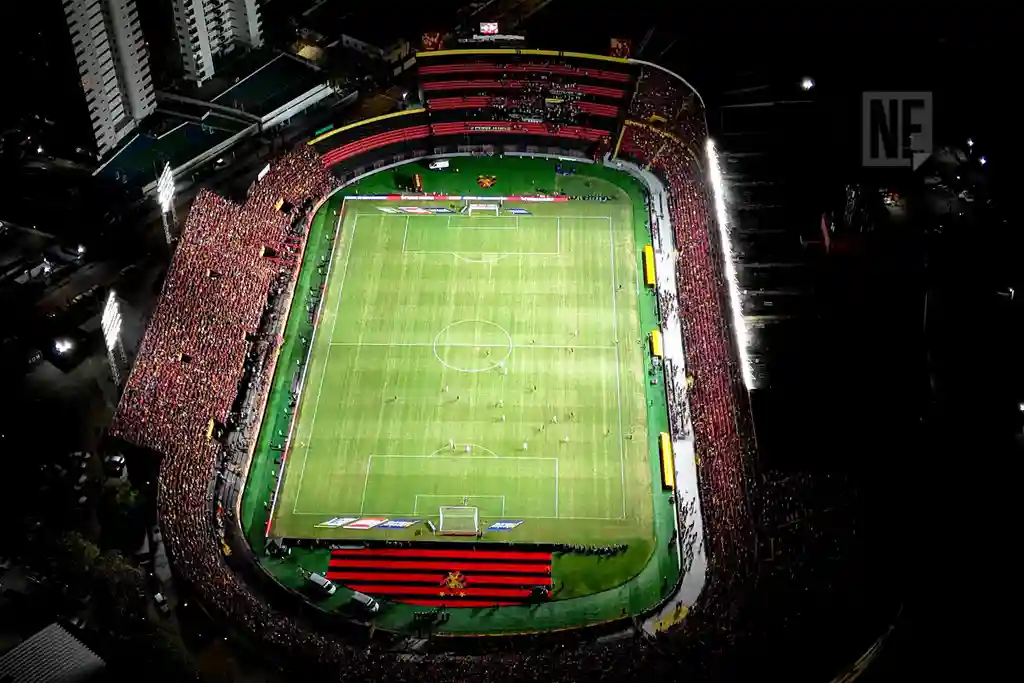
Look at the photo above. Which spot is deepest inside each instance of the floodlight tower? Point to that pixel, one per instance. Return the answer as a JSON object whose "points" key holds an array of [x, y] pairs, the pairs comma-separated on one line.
{"points": [[165, 196], [111, 325]]}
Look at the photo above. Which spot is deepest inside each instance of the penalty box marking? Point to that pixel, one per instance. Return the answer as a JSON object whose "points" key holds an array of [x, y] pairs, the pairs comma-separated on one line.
{"points": [[492, 254], [433, 456], [514, 226], [427, 345], [456, 496]]}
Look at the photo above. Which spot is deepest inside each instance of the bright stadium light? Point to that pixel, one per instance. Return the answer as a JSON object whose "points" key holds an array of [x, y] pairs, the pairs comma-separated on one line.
{"points": [[111, 321], [732, 279], [165, 188], [807, 83], [63, 346]]}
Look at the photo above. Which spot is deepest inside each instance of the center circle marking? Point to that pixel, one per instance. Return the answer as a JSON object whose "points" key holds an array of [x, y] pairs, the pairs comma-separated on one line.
{"points": [[439, 345]]}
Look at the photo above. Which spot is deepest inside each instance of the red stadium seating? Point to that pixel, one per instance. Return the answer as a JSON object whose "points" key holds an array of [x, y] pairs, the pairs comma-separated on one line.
{"points": [[525, 68], [364, 145], [597, 90], [519, 128]]}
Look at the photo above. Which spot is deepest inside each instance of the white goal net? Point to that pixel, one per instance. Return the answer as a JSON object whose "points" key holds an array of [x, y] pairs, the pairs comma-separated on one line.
{"points": [[459, 520], [486, 208]]}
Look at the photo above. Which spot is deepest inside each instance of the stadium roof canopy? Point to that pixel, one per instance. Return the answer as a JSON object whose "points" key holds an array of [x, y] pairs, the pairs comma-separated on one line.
{"points": [[179, 132], [363, 20], [51, 655], [271, 85]]}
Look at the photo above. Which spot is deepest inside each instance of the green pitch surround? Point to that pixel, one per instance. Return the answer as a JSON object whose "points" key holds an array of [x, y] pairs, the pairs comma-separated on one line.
{"points": [[496, 362]]}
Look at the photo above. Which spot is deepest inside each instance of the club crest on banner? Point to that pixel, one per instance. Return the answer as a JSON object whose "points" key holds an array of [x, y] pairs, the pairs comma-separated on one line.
{"points": [[455, 581], [486, 181]]}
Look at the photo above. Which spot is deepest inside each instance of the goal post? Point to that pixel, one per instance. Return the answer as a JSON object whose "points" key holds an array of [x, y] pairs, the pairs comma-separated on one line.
{"points": [[488, 208], [459, 520]]}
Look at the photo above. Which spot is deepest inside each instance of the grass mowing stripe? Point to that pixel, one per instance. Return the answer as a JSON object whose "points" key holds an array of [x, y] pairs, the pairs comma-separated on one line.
{"points": [[327, 358]]}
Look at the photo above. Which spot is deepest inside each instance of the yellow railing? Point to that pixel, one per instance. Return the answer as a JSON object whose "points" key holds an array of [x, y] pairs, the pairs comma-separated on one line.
{"points": [[512, 51], [350, 126], [656, 344], [668, 465], [649, 266]]}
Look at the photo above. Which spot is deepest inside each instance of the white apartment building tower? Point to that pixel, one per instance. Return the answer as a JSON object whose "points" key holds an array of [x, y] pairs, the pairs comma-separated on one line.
{"points": [[113, 63], [208, 29]]}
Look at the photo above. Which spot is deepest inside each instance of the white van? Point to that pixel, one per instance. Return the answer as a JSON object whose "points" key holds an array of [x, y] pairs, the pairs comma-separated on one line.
{"points": [[368, 603], [439, 165], [323, 583]]}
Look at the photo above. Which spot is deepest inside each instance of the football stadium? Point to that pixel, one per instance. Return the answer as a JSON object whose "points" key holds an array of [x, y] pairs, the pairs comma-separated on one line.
{"points": [[461, 380]]}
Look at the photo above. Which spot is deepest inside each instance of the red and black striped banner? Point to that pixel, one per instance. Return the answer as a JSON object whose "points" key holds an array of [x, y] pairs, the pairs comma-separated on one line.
{"points": [[455, 577]]}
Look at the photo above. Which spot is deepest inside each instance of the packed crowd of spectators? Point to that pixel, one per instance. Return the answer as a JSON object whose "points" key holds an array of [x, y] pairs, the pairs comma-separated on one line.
{"points": [[507, 70], [669, 144], [660, 96]]}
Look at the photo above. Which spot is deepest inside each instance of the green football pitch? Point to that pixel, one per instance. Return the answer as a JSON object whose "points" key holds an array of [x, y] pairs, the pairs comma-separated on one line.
{"points": [[488, 361]]}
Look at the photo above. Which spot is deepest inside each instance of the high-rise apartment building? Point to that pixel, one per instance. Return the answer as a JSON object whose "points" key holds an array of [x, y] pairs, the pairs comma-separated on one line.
{"points": [[209, 29], [113, 64]]}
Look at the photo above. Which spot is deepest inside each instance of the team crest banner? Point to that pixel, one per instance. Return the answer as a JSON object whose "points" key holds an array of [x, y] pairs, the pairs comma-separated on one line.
{"points": [[454, 581], [486, 181]]}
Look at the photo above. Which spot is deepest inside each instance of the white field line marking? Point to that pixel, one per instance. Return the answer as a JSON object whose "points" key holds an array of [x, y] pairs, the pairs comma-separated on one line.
{"points": [[479, 227], [493, 254], [558, 236], [366, 480], [416, 502], [456, 456], [405, 235], [405, 513], [323, 372], [636, 276], [530, 217], [473, 346], [293, 427], [556, 488], [618, 368]]}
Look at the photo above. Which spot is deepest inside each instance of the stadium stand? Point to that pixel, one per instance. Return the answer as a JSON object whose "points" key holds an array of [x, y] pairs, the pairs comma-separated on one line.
{"points": [[594, 90], [209, 350], [526, 68]]}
